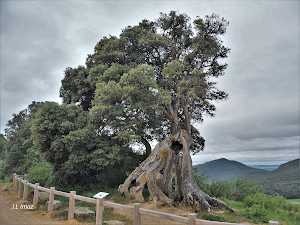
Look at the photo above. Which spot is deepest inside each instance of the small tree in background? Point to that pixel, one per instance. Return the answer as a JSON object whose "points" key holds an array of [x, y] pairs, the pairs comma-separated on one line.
{"points": [[75, 150]]}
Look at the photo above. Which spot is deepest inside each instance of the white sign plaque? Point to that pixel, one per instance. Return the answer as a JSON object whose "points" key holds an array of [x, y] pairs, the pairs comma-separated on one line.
{"points": [[100, 195]]}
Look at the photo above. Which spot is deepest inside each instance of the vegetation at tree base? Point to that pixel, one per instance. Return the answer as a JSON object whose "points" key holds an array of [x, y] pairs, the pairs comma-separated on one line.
{"points": [[236, 190], [282, 181], [40, 174], [249, 200]]}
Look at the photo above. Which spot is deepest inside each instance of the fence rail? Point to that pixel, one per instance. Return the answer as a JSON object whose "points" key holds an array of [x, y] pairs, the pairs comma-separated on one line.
{"points": [[100, 203]]}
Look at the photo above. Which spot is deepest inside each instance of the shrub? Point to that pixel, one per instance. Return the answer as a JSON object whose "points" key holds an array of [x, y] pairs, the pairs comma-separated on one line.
{"points": [[212, 217], [257, 214], [40, 174], [259, 199], [243, 188], [236, 190]]}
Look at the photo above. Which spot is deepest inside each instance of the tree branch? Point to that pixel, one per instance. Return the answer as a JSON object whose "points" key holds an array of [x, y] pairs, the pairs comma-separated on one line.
{"points": [[186, 115]]}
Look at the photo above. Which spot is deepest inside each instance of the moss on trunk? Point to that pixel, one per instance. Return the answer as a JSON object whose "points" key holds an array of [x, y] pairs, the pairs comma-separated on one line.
{"points": [[170, 158]]}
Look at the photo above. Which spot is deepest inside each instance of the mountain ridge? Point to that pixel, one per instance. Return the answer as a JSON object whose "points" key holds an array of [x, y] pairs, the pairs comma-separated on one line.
{"points": [[285, 180], [216, 169]]}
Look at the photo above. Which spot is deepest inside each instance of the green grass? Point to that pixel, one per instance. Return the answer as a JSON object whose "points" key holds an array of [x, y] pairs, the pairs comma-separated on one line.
{"points": [[295, 201], [63, 199], [261, 211]]}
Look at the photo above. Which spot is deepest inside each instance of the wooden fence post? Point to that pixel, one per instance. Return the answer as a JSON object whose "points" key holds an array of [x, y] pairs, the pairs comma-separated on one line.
{"points": [[25, 193], [136, 214], [14, 181], [99, 211], [51, 199], [25, 176], [36, 194], [192, 218], [20, 187], [71, 205]]}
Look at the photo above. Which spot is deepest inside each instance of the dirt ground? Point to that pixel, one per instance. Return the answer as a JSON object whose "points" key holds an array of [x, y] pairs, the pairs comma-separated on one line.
{"points": [[9, 216], [150, 220]]}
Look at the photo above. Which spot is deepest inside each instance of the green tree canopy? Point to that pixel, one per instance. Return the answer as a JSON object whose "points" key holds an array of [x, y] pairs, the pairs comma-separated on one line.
{"points": [[182, 56], [74, 148], [19, 149]]}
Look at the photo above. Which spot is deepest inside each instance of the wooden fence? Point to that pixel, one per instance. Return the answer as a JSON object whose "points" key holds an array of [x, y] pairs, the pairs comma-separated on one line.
{"points": [[137, 211]]}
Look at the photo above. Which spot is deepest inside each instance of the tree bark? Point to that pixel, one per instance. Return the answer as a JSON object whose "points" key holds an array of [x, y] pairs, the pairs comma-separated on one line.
{"points": [[170, 158]]}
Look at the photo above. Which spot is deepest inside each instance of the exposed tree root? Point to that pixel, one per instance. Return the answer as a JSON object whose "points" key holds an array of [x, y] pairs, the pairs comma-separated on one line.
{"points": [[170, 158]]}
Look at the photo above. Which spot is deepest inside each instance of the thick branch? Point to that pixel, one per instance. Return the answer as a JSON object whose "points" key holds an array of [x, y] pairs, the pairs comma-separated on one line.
{"points": [[186, 115], [147, 145], [172, 116]]}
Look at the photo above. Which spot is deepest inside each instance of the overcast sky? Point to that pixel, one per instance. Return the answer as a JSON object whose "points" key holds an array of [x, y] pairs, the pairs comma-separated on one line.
{"points": [[259, 124]]}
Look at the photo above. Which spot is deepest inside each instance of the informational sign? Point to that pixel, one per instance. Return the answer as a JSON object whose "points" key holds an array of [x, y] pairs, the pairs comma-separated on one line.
{"points": [[100, 195]]}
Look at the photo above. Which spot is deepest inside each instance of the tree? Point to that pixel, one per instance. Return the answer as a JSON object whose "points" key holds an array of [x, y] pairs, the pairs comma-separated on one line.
{"points": [[181, 60], [153, 83], [19, 149], [71, 144]]}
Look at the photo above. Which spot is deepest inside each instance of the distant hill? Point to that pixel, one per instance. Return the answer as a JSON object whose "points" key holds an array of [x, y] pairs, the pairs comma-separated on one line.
{"points": [[285, 180], [225, 169], [265, 167]]}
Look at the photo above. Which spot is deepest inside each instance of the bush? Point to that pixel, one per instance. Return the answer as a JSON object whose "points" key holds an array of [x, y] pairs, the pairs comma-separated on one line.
{"points": [[257, 213], [212, 217], [269, 202], [236, 190], [40, 174], [243, 188], [259, 199]]}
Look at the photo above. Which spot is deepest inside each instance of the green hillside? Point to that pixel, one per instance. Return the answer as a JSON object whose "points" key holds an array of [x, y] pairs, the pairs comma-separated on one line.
{"points": [[285, 180], [225, 169]]}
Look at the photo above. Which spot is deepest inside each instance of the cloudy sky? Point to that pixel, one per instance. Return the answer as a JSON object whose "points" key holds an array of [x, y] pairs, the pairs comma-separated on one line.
{"points": [[259, 124]]}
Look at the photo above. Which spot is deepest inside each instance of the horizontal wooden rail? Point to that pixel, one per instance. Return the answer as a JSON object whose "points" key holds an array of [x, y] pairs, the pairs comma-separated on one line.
{"points": [[207, 222], [85, 199], [100, 203], [118, 206], [166, 216], [30, 185], [65, 194], [43, 189]]}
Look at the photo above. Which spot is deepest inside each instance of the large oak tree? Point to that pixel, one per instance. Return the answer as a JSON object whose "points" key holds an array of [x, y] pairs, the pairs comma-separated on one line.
{"points": [[153, 83]]}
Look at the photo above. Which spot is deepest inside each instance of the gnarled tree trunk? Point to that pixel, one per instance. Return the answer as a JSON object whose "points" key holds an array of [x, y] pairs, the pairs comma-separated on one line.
{"points": [[170, 158]]}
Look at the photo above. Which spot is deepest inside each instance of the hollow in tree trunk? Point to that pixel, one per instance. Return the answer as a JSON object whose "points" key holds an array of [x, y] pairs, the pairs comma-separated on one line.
{"points": [[170, 158]]}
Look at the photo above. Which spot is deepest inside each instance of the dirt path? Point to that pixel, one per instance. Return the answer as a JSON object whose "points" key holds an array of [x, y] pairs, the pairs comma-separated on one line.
{"points": [[9, 199], [150, 220], [9, 216]]}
